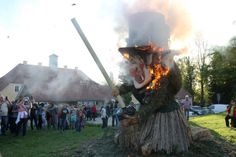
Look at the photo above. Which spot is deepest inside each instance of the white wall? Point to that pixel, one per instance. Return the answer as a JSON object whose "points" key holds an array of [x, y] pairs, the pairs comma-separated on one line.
{"points": [[10, 92]]}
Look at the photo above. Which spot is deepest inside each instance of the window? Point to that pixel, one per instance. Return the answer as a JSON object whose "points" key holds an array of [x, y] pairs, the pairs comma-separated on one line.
{"points": [[17, 88]]}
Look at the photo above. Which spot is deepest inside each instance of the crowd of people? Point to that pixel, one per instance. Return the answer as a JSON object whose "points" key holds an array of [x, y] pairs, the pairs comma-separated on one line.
{"points": [[19, 115], [111, 111], [24, 113]]}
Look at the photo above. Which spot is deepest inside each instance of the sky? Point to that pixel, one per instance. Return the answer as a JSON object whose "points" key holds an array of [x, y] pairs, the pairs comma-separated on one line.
{"points": [[32, 30]]}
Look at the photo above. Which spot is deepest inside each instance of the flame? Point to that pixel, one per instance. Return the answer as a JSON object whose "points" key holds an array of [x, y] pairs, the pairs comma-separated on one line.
{"points": [[126, 55], [155, 48], [158, 71]]}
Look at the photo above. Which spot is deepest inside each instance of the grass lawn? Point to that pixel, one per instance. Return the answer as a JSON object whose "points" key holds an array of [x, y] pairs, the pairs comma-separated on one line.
{"points": [[216, 124], [52, 143], [47, 143]]}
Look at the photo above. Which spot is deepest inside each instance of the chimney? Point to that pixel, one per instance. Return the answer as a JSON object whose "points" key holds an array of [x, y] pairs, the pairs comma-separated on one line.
{"points": [[53, 61], [65, 66], [24, 62]]}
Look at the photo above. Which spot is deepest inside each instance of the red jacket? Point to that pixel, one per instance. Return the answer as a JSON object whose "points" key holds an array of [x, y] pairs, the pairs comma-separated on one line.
{"points": [[94, 110]]}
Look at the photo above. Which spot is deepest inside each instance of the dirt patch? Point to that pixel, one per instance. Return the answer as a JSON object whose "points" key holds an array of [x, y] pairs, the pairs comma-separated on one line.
{"points": [[105, 147]]}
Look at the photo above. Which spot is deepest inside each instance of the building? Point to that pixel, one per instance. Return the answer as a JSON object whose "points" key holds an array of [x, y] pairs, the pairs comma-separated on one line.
{"points": [[180, 96], [60, 85]]}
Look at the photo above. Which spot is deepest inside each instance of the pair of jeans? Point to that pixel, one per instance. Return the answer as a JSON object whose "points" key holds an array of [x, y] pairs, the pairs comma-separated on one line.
{"points": [[63, 123], [186, 113], [33, 122], [22, 124], [227, 118], [115, 120], [104, 122], [78, 125], [94, 116], [12, 121], [4, 122]]}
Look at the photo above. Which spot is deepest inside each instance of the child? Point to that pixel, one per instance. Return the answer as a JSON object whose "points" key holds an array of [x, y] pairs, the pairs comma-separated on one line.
{"points": [[73, 119], [79, 118]]}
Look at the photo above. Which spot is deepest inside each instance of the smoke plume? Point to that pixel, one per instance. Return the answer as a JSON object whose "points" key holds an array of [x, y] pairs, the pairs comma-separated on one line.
{"points": [[174, 11]]}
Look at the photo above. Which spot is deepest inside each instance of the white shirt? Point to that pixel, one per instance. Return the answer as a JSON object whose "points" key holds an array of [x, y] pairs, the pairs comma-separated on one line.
{"points": [[4, 109], [103, 113]]}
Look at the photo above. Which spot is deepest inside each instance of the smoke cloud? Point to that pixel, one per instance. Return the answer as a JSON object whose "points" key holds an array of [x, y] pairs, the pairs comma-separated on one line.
{"points": [[177, 25], [47, 83], [176, 15]]}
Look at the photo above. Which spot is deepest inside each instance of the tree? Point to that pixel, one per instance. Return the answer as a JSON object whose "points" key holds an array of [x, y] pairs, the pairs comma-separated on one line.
{"points": [[216, 72], [188, 74], [231, 60], [222, 72], [202, 68]]}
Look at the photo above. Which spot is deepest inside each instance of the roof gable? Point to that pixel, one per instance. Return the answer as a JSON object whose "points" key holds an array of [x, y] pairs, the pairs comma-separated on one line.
{"points": [[55, 84], [182, 93]]}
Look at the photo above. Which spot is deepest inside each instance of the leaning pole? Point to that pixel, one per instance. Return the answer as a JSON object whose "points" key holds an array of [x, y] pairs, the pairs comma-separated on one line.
{"points": [[97, 61]]}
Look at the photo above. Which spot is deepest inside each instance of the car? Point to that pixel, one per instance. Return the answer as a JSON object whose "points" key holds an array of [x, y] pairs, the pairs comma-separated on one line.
{"points": [[205, 110], [192, 114], [217, 108], [196, 110]]}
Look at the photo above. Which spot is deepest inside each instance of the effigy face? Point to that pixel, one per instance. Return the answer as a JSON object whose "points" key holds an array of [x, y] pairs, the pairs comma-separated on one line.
{"points": [[147, 65], [139, 72]]}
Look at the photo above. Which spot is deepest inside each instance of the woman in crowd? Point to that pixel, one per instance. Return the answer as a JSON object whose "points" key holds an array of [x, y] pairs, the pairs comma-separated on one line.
{"points": [[13, 116], [63, 122], [79, 119], [72, 119], [104, 117], [22, 117], [33, 116], [4, 104]]}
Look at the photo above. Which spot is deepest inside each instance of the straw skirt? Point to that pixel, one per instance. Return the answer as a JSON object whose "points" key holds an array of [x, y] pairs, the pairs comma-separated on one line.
{"points": [[168, 132]]}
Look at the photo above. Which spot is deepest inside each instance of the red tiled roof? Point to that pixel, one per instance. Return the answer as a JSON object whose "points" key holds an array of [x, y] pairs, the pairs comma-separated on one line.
{"points": [[55, 84]]}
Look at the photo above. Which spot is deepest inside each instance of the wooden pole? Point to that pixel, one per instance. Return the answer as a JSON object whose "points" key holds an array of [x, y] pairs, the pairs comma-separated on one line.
{"points": [[97, 61]]}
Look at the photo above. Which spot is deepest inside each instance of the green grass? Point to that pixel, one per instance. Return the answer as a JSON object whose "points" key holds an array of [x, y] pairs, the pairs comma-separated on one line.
{"points": [[47, 143], [216, 124], [52, 143]]}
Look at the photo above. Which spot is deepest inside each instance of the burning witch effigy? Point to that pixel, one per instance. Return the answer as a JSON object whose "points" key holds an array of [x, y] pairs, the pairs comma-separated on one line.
{"points": [[159, 124]]}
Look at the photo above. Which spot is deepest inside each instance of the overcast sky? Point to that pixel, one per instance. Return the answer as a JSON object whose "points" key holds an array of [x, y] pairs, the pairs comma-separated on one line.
{"points": [[31, 30]]}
